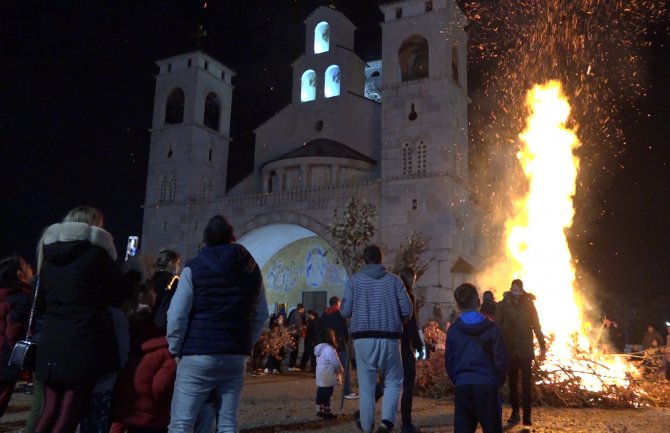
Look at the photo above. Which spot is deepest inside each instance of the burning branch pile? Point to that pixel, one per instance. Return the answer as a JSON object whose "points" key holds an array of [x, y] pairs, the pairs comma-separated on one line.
{"points": [[431, 378], [592, 380], [566, 385], [273, 341]]}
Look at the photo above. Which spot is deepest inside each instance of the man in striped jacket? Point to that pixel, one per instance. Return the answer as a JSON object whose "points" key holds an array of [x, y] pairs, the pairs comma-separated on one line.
{"points": [[378, 303]]}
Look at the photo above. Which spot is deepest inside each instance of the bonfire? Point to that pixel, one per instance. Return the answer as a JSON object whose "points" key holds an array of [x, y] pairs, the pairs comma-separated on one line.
{"points": [[578, 369]]}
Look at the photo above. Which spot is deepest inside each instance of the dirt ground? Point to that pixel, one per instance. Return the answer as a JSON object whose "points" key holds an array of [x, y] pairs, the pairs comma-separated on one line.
{"points": [[285, 403]]}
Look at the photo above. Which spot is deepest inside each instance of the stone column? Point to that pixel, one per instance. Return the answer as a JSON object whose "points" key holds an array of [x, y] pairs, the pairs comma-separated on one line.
{"points": [[266, 181], [304, 176], [281, 179], [334, 175]]}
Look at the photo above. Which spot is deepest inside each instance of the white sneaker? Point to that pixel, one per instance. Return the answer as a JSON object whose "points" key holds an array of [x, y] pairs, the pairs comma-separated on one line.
{"points": [[266, 371], [275, 371], [351, 396]]}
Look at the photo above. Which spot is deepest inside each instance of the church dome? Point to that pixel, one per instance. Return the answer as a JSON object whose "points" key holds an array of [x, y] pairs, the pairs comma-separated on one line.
{"points": [[322, 147]]}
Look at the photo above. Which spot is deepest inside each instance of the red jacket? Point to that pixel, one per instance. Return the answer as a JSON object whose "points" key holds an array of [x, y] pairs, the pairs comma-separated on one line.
{"points": [[15, 302], [144, 389]]}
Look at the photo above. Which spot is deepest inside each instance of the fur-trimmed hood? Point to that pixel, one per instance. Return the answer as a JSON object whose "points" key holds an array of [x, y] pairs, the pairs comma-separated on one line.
{"points": [[75, 231]]}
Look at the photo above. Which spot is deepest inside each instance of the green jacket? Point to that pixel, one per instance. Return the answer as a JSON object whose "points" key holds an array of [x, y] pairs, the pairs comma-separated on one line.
{"points": [[518, 319]]}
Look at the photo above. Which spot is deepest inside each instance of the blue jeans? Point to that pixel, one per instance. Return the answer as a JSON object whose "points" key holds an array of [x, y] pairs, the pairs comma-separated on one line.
{"points": [[202, 376], [383, 355]]}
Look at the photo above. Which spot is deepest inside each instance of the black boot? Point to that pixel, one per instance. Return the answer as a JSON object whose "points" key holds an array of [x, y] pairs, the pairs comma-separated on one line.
{"points": [[514, 418]]}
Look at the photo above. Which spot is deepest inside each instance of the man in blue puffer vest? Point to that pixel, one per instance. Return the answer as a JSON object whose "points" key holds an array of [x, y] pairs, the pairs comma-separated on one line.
{"points": [[476, 363], [216, 315]]}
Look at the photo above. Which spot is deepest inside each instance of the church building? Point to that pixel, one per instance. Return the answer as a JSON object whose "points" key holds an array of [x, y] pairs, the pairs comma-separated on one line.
{"points": [[393, 131]]}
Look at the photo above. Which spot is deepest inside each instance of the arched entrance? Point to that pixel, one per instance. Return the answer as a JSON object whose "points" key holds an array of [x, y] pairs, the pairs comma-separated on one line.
{"points": [[298, 266]]}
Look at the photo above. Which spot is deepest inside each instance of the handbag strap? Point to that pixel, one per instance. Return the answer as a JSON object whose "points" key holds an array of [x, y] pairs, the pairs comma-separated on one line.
{"points": [[29, 333], [174, 279]]}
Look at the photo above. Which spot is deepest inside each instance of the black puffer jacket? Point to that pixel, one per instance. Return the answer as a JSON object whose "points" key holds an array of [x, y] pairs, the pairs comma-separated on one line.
{"points": [[78, 281]]}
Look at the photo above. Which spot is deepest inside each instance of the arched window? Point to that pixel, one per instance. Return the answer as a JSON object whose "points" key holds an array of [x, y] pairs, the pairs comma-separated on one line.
{"points": [[406, 159], [321, 37], [163, 189], [308, 86], [413, 58], [212, 111], [207, 188], [203, 188], [174, 110], [331, 86], [454, 62], [421, 157], [173, 188]]}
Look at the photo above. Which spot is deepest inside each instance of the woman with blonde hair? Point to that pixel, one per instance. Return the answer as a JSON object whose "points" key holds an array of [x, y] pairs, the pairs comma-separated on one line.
{"points": [[79, 280]]}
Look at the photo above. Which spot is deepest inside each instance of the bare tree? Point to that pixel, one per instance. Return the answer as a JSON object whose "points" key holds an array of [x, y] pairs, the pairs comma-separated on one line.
{"points": [[409, 254], [352, 230]]}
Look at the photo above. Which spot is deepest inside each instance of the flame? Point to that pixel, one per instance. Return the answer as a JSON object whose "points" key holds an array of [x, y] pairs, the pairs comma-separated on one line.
{"points": [[536, 233], [537, 249]]}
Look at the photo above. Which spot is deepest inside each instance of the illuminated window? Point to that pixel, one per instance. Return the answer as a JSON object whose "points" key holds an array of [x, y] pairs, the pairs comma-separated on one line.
{"points": [[212, 111], [413, 58], [308, 86], [174, 110], [332, 83], [321, 37]]}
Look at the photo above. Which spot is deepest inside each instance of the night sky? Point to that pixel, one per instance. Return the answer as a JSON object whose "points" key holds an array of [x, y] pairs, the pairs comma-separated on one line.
{"points": [[77, 85]]}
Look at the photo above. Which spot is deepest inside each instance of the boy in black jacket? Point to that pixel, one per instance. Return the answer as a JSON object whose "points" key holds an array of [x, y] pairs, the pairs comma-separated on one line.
{"points": [[477, 365]]}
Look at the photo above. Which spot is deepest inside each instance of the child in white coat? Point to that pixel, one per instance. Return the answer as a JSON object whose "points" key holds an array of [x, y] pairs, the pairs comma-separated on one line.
{"points": [[328, 372]]}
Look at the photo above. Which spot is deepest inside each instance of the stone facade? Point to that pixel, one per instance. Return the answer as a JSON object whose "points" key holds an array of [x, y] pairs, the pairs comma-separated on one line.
{"points": [[393, 131]]}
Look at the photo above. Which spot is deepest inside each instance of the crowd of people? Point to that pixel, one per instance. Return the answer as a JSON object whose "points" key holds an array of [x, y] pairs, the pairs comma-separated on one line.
{"points": [[117, 351], [138, 350]]}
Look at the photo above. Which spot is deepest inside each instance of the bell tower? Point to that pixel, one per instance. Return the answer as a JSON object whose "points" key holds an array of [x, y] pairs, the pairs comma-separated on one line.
{"points": [[190, 137], [425, 135], [329, 67], [424, 82]]}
